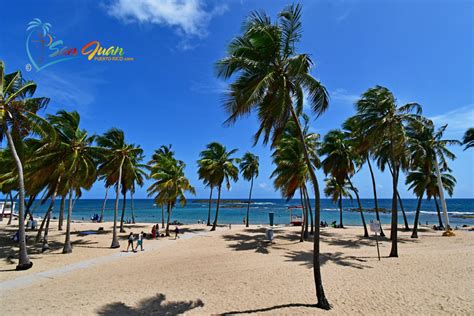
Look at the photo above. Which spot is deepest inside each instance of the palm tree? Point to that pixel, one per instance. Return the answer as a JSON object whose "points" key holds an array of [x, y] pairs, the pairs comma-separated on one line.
{"points": [[117, 153], [432, 190], [340, 162], [205, 175], [17, 117], [291, 171], [220, 167], [383, 123], [249, 169], [170, 182], [468, 138], [337, 190], [271, 80]]}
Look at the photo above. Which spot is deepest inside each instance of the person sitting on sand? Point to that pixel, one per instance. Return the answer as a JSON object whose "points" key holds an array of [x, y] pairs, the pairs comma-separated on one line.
{"points": [[176, 232], [130, 241], [141, 236]]}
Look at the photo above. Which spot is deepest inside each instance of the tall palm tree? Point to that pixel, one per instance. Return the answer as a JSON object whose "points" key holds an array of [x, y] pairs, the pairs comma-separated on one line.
{"points": [[17, 117], [340, 162], [468, 138], [221, 168], [117, 153], [291, 171], [249, 169], [170, 182], [133, 174], [205, 174], [383, 123], [271, 80], [337, 190]]}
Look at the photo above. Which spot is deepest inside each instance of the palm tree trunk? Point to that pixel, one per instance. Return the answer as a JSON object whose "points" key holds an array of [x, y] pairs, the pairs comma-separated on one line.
{"points": [[303, 217], [23, 262], [340, 212], [4, 206], [440, 221], [43, 224], [31, 200], [50, 211], [103, 205], [366, 232], [306, 216], [11, 209], [322, 301], [209, 210], [131, 206], [394, 224], [162, 215], [441, 194], [67, 243], [248, 205], [374, 187], [168, 220], [61, 212], [414, 234], [407, 228], [214, 224], [115, 243], [123, 212], [310, 211]]}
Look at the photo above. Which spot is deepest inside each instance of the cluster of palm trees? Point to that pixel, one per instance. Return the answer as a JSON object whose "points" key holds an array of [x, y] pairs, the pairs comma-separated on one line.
{"points": [[272, 80]]}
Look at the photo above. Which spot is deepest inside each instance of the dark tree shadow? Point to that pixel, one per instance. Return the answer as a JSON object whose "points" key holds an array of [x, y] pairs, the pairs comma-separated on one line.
{"points": [[191, 230], [244, 242], [267, 309], [306, 258], [155, 305]]}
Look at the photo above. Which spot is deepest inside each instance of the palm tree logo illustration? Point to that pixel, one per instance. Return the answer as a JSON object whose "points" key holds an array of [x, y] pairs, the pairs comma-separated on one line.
{"points": [[44, 38]]}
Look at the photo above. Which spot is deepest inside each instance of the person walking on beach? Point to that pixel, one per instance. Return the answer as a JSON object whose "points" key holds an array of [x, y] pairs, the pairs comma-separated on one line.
{"points": [[176, 232], [140, 241], [130, 242]]}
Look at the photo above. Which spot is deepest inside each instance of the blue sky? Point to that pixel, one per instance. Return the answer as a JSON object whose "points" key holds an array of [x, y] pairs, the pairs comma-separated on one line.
{"points": [[421, 50]]}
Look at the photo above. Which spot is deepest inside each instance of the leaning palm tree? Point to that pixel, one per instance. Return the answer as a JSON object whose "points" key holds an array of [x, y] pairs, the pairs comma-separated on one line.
{"points": [[220, 166], [341, 160], [249, 169], [271, 79], [337, 190], [116, 152], [468, 138], [384, 124], [18, 117], [291, 171], [170, 182], [362, 149]]}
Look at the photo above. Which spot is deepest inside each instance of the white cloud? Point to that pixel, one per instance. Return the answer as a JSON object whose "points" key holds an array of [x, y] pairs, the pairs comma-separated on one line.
{"points": [[265, 186], [458, 120], [342, 95], [189, 18]]}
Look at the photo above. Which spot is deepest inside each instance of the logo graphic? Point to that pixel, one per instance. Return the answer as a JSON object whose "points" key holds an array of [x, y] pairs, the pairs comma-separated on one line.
{"points": [[44, 49]]}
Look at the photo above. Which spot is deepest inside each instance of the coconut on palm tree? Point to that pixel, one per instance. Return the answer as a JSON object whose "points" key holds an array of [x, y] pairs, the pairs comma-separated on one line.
{"points": [[17, 117], [170, 183], [337, 189], [384, 124], [249, 169], [270, 79], [116, 153]]}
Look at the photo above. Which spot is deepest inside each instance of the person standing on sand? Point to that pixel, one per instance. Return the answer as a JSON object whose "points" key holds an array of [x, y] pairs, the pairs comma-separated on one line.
{"points": [[176, 232], [130, 242], [153, 232], [140, 241]]}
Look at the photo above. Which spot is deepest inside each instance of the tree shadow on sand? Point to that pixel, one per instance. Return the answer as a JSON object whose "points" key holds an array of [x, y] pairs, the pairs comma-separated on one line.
{"points": [[306, 258], [268, 309], [155, 305], [244, 242]]}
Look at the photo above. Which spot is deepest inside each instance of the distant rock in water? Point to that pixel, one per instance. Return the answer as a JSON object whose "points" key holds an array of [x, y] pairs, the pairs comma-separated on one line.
{"points": [[463, 216], [223, 201]]}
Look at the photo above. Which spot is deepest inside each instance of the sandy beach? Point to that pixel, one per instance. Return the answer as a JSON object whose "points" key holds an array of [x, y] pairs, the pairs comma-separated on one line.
{"points": [[237, 271]]}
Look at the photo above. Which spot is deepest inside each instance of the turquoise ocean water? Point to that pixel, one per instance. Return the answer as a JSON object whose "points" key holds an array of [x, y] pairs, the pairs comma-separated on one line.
{"points": [[233, 211]]}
